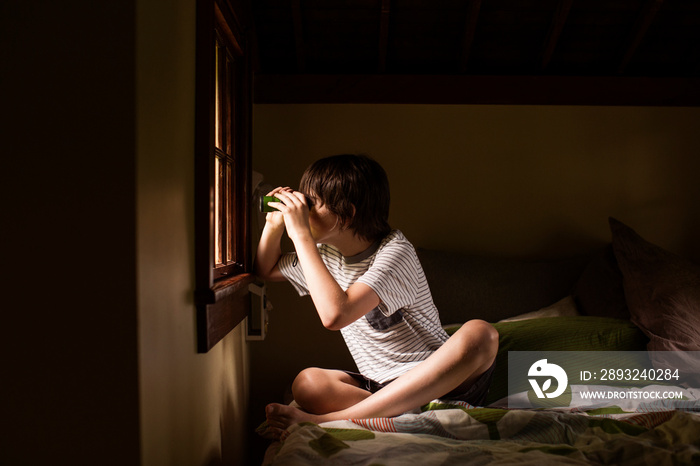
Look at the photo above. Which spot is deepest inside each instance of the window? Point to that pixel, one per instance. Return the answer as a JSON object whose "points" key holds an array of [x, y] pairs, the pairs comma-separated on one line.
{"points": [[222, 172], [228, 247]]}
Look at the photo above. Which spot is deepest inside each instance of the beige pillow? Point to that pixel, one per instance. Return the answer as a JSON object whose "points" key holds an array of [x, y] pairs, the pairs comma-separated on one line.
{"points": [[663, 296], [563, 307], [662, 291]]}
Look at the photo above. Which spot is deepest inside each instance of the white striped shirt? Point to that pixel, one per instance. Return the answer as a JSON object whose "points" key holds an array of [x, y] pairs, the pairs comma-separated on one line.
{"points": [[405, 328]]}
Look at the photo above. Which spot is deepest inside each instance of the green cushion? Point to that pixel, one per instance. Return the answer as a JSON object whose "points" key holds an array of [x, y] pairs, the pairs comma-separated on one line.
{"points": [[576, 333]]}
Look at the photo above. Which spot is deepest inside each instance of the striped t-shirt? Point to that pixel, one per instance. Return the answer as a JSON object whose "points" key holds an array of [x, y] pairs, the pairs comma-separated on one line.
{"points": [[405, 328]]}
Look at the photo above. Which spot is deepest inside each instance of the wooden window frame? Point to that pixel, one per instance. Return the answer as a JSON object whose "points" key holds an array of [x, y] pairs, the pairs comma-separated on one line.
{"points": [[221, 291]]}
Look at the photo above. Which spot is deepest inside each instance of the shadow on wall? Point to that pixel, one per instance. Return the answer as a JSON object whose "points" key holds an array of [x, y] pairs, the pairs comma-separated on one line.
{"points": [[233, 421], [233, 437]]}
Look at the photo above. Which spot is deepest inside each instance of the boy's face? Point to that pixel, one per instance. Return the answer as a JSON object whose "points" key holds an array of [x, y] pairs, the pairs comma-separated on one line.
{"points": [[323, 223]]}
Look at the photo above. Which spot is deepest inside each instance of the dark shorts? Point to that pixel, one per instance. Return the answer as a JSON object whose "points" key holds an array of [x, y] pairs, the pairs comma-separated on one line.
{"points": [[474, 395]]}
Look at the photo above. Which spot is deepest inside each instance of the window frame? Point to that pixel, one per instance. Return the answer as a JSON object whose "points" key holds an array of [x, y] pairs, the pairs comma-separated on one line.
{"points": [[228, 151], [221, 295]]}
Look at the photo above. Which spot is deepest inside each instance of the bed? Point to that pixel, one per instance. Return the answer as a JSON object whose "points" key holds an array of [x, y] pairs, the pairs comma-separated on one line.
{"points": [[631, 299]]}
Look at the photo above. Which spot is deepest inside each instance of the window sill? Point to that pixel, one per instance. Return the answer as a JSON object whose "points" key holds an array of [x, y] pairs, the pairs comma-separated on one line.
{"points": [[221, 308], [225, 287]]}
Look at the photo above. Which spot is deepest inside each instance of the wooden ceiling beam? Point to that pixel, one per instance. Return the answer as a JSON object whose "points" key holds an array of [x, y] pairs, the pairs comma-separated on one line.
{"points": [[298, 35], [475, 90], [646, 17], [555, 29], [469, 32], [384, 35]]}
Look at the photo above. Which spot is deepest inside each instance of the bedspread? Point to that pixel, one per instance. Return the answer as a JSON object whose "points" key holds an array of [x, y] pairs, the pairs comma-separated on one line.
{"points": [[456, 433]]}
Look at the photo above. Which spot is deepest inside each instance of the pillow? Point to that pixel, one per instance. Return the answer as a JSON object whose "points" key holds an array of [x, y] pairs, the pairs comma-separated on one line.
{"points": [[662, 291], [563, 307], [599, 290], [577, 333]]}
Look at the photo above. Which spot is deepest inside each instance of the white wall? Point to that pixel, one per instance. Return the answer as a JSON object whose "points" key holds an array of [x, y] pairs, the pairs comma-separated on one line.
{"points": [[514, 180], [193, 406]]}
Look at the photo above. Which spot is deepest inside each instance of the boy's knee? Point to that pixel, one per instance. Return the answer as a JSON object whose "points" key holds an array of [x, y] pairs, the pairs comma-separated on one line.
{"points": [[309, 384], [311, 389], [492, 340], [306, 380], [481, 336]]}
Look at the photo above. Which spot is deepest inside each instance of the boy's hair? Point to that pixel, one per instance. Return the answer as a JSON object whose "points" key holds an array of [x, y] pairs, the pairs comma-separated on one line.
{"points": [[355, 188]]}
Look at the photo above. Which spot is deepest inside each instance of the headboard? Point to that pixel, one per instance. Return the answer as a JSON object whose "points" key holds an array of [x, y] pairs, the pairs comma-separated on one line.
{"points": [[466, 286]]}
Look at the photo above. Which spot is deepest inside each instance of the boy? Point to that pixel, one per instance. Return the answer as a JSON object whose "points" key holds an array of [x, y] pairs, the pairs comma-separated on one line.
{"points": [[366, 281]]}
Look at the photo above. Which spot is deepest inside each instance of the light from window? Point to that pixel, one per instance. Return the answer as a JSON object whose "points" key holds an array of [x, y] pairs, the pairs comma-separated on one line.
{"points": [[226, 246]]}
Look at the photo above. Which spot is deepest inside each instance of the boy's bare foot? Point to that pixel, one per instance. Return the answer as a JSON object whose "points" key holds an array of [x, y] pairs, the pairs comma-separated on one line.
{"points": [[279, 417]]}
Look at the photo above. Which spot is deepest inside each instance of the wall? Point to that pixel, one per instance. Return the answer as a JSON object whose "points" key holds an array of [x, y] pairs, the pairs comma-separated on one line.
{"points": [[525, 181], [468, 177], [99, 356], [69, 349], [193, 406]]}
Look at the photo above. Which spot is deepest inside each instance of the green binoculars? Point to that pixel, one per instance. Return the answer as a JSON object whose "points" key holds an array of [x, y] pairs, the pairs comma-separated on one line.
{"points": [[264, 203]]}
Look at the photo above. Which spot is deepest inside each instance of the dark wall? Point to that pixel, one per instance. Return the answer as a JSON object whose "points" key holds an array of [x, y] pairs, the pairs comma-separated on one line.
{"points": [[70, 395]]}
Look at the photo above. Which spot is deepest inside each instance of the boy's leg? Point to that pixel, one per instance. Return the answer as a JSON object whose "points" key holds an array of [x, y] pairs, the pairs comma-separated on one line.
{"points": [[321, 391], [460, 361]]}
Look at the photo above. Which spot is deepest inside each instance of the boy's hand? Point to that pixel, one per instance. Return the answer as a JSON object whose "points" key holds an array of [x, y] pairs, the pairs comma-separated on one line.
{"points": [[294, 210], [275, 220]]}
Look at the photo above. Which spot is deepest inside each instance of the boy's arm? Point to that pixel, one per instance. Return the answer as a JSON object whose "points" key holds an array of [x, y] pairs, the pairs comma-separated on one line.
{"points": [[269, 248], [268, 255], [335, 307]]}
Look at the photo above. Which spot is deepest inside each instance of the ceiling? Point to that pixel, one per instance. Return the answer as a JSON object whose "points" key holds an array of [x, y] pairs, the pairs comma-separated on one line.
{"points": [[302, 45]]}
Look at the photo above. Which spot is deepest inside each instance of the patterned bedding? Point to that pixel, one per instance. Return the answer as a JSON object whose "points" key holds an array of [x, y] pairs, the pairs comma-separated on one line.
{"points": [[631, 432]]}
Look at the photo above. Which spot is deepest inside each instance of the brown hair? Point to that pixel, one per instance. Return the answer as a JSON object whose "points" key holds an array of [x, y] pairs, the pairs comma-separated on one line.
{"points": [[355, 188]]}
